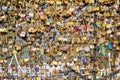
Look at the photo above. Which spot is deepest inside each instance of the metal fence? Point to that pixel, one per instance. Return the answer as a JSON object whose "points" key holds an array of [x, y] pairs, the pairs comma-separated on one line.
{"points": [[43, 76], [61, 76]]}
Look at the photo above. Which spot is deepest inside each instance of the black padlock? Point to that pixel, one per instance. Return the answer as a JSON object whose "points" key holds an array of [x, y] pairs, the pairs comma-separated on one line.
{"points": [[119, 43]]}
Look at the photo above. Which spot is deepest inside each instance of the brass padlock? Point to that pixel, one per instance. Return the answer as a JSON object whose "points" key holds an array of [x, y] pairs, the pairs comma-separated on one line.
{"points": [[18, 48], [32, 39], [4, 50], [14, 52]]}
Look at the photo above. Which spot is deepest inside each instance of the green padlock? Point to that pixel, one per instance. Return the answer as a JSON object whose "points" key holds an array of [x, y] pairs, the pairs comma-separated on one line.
{"points": [[99, 26]]}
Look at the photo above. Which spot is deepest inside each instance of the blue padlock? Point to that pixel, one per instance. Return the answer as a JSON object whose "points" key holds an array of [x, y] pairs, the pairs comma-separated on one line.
{"points": [[37, 69], [94, 24], [43, 6], [110, 46], [54, 34], [10, 70], [51, 21], [1, 70], [84, 60], [40, 39], [4, 8]]}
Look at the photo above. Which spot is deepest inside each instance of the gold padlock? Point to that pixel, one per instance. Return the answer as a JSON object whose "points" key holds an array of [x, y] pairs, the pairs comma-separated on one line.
{"points": [[32, 39], [110, 59], [101, 1], [116, 41], [42, 17], [9, 54], [52, 2], [8, 3], [109, 31], [14, 52], [1, 61], [58, 2], [18, 48], [77, 49], [103, 25], [47, 23], [38, 78], [66, 2], [103, 33], [4, 50]]}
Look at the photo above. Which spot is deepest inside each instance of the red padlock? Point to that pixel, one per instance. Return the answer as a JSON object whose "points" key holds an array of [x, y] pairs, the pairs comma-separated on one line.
{"points": [[13, 68], [40, 9], [64, 48], [71, 29], [76, 29], [75, 12], [85, 28]]}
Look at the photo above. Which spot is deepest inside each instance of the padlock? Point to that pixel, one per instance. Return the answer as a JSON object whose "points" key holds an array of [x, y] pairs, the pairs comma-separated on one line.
{"points": [[4, 50], [42, 17], [59, 53], [76, 29], [1, 61], [8, 3], [26, 60], [84, 60], [70, 23], [101, 1], [91, 1], [118, 33], [109, 26], [48, 23], [75, 12], [77, 49], [110, 46], [51, 1], [85, 28], [103, 33], [94, 9], [99, 26], [38, 78], [58, 2], [66, 2], [18, 48], [9, 54], [14, 52], [4, 30], [109, 31], [22, 34]]}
